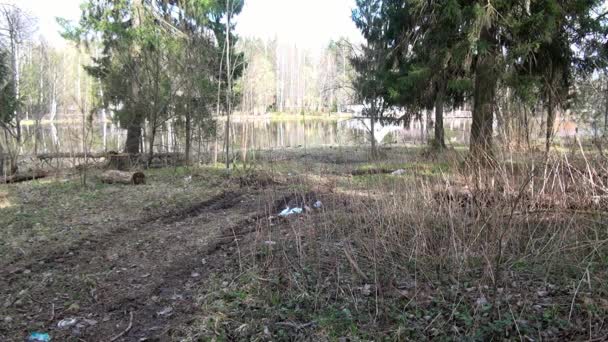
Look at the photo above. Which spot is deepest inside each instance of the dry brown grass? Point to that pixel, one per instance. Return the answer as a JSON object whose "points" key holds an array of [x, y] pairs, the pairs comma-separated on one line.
{"points": [[524, 241]]}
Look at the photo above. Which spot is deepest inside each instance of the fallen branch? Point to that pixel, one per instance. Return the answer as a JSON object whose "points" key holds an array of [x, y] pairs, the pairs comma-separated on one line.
{"points": [[23, 177], [297, 326], [78, 155], [126, 330], [354, 264], [378, 171]]}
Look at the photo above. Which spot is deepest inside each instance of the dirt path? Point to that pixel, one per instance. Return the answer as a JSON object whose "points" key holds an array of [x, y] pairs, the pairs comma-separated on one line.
{"points": [[131, 283]]}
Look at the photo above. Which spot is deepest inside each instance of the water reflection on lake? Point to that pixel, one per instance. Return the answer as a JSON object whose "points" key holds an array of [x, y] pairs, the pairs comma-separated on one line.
{"points": [[263, 133]]}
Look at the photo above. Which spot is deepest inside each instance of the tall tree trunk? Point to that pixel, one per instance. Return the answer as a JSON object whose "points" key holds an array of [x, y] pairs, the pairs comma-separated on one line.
{"points": [[606, 109], [551, 105], [153, 129], [135, 124], [372, 134], [188, 136], [484, 95], [133, 136], [2, 173], [229, 82], [16, 77], [550, 120], [439, 104]]}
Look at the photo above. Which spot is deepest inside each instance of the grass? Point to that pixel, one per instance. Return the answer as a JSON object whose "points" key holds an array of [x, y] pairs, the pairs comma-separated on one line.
{"points": [[60, 209], [442, 252], [402, 257]]}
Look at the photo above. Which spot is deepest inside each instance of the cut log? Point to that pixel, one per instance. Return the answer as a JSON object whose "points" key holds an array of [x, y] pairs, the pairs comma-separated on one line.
{"points": [[122, 177], [25, 176]]}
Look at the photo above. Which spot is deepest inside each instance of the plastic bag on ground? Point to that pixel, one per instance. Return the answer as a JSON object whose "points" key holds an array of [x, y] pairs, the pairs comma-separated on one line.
{"points": [[290, 211]]}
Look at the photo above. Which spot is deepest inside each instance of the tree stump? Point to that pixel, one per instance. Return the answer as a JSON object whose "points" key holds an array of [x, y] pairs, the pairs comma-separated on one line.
{"points": [[122, 177]]}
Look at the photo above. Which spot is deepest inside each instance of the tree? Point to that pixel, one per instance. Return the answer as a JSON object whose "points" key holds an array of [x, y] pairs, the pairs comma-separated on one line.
{"points": [[558, 41], [8, 105], [147, 66], [430, 58], [545, 41], [370, 63], [258, 82], [16, 27]]}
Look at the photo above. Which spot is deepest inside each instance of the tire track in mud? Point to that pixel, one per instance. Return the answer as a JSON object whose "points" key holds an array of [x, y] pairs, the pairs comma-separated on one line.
{"points": [[176, 278], [174, 286], [123, 293], [67, 255], [69, 267]]}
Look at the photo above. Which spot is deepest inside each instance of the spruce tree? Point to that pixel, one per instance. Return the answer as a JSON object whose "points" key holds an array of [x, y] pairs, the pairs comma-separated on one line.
{"points": [[440, 45]]}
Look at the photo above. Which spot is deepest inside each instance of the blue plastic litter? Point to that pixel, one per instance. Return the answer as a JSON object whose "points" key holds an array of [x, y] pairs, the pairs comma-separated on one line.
{"points": [[39, 337]]}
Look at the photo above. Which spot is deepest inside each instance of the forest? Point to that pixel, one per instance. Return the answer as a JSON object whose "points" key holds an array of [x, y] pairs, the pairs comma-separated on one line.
{"points": [[437, 170]]}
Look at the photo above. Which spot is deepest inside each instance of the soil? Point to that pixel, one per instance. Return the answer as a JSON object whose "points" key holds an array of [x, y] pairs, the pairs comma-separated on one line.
{"points": [[131, 279], [201, 254]]}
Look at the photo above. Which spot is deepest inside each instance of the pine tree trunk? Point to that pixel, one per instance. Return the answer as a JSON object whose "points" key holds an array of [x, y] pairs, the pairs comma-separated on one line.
{"points": [[151, 143], [550, 121], [484, 95], [188, 136], [606, 110], [134, 127], [372, 135], [551, 105], [133, 136], [2, 173], [439, 104]]}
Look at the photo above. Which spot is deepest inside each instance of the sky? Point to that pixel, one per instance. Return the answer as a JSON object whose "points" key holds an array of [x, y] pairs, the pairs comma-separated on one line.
{"points": [[45, 12], [305, 23]]}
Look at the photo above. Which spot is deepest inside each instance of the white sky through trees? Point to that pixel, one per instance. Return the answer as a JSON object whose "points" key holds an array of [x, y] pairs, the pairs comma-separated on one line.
{"points": [[306, 23]]}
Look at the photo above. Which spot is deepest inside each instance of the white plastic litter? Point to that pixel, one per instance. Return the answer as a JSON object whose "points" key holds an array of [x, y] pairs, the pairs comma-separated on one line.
{"points": [[318, 204], [66, 323], [398, 172], [290, 211]]}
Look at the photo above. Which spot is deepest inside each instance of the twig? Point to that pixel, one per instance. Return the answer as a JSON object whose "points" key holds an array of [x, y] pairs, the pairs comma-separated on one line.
{"points": [[52, 312], [576, 293], [433, 321], [297, 326], [126, 330], [354, 264], [238, 249]]}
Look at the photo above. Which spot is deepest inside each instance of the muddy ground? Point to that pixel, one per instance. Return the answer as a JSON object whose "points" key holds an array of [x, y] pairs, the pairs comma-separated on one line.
{"points": [[125, 275], [201, 254], [100, 262]]}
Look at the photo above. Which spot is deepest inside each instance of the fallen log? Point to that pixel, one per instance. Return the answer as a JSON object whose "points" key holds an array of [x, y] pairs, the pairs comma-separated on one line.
{"points": [[25, 176], [65, 155], [123, 177], [377, 171]]}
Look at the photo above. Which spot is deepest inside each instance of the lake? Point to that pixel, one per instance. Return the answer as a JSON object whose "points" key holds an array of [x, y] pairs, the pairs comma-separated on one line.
{"points": [[262, 133]]}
